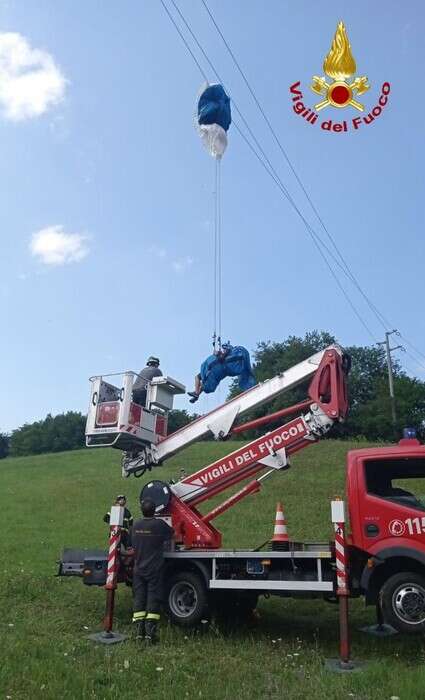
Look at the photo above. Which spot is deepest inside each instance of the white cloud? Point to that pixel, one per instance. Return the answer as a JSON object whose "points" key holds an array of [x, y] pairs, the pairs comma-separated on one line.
{"points": [[52, 246], [30, 80], [182, 264]]}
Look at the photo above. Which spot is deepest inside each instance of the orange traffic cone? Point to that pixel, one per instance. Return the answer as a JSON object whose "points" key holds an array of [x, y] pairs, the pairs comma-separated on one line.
{"points": [[280, 539]]}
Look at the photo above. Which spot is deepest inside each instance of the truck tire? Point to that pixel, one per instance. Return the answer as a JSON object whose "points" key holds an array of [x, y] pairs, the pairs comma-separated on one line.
{"points": [[186, 599], [402, 599]]}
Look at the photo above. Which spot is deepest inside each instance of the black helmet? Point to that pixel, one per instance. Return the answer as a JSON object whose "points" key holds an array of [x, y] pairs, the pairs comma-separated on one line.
{"points": [[153, 361]]}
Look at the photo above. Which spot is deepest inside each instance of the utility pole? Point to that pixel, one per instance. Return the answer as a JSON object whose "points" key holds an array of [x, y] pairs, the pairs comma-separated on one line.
{"points": [[388, 352]]}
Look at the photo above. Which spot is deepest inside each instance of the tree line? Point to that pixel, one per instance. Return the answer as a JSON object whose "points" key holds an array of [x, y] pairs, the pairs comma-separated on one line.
{"points": [[369, 416], [60, 433], [53, 434]]}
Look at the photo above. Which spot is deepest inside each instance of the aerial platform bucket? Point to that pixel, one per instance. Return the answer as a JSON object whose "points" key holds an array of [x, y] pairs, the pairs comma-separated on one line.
{"points": [[115, 419]]}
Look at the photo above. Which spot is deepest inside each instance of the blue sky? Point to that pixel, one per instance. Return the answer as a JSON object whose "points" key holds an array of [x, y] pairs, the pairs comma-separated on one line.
{"points": [[100, 143]]}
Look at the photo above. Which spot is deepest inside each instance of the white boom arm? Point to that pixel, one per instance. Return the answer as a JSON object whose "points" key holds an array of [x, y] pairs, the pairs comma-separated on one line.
{"points": [[115, 419], [220, 420]]}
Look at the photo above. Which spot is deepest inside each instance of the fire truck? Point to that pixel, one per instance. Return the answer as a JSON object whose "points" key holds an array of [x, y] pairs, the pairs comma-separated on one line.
{"points": [[385, 495]]}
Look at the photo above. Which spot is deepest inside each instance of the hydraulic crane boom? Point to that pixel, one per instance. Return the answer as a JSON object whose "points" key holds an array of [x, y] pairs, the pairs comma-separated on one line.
{"points": [[114, 419], [220, 421], [327, 404]]}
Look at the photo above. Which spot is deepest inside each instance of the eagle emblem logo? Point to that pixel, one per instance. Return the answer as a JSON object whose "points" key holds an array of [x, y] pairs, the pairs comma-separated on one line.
{"points": [[340, 65]]}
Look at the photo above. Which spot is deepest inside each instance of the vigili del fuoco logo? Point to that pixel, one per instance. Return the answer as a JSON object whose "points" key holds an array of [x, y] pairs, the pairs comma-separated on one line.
{"points": [[343, 90]]}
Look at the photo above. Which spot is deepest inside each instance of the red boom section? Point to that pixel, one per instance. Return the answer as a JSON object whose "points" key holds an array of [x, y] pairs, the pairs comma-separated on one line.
{"points": [[327, 390], [235, 467], [328, 387], [271, 417]]}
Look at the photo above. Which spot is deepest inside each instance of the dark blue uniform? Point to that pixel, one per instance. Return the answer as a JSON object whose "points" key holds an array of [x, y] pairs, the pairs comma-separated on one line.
{"points": [[148, 536]]}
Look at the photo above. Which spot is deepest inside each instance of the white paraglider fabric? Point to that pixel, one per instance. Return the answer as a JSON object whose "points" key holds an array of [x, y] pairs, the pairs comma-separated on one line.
{"points": [[214, 139]]}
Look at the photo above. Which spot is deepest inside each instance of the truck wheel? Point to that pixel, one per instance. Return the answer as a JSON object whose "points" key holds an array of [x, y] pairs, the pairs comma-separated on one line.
{"points": [[186, 600], [402, 599]]}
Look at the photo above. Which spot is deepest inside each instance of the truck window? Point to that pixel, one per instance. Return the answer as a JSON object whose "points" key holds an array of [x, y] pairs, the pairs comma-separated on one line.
{"points": [[397, 480]]}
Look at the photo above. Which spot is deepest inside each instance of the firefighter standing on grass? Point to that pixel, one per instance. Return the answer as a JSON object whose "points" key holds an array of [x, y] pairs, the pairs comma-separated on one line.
{"points": [[148, 536]]}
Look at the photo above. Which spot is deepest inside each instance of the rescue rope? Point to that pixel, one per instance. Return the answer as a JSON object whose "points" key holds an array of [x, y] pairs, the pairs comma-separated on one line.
{"points": [[219, 273], [215, 253], [217, 256]]}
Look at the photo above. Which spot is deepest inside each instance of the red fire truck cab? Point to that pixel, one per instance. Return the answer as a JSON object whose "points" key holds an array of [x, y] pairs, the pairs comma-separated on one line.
{"points": [[386, 503]]}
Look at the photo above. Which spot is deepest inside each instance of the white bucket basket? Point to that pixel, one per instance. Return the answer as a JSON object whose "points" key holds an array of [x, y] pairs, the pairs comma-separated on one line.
{"points": [[114, 419]]}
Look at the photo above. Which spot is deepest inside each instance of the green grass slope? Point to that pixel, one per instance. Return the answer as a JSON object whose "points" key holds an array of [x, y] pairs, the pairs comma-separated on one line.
{"points": [[57, 500]]}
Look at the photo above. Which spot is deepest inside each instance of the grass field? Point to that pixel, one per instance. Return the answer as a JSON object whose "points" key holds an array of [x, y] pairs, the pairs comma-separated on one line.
{"points": [[55, 500]]}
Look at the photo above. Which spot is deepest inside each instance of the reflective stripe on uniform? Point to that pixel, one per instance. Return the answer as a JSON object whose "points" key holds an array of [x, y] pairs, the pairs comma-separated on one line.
{"points": [[139, 615], [153, 616]]}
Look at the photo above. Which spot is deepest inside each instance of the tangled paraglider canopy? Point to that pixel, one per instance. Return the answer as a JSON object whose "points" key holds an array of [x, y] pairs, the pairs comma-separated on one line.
{"points": [[214, 119]]}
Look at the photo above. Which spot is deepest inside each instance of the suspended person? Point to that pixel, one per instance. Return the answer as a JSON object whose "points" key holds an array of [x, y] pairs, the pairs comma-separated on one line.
{"points": [[229, 361], [140, 386], [148, 536]]}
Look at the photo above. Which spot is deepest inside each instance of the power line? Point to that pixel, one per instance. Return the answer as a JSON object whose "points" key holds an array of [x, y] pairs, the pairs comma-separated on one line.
{"points": [[380, 317], [412, 357], [331, 270], [184, 40], [265, 162], [271, 170], [292, 167], [418, 352]]}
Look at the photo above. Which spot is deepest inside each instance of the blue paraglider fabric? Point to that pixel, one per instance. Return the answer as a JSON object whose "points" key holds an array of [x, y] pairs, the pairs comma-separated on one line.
{"points": [[236, 363], [214, 107], [212, 372]]}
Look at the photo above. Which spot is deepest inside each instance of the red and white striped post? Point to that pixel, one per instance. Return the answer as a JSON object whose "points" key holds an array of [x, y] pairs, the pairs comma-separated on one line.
{"points": [[342, 591], [115, 522]]}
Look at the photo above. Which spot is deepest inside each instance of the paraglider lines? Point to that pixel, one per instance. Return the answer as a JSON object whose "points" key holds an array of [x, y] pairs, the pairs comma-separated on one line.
{"points": [[379, 316], [265, 162]]}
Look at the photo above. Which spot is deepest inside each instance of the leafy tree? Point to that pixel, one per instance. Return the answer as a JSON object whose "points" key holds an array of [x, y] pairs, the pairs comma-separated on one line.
{"points": [[53, 434], [272, 358], [373, 418], [410, 403], [4, 445], [177, 419], [368, 365]]}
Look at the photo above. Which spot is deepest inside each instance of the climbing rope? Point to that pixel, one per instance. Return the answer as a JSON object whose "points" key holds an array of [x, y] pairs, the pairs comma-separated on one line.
{"points": [[217, 256]]}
